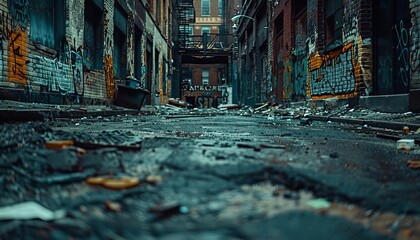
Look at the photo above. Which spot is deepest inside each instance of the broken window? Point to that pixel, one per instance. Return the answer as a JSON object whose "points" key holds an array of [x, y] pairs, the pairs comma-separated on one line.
{"points": [[47, 22], [334, 11], [93, 35]]}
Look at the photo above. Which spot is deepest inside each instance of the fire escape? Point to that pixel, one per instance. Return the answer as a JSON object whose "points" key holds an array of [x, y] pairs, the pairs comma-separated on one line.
{"points": [[209, 48]]}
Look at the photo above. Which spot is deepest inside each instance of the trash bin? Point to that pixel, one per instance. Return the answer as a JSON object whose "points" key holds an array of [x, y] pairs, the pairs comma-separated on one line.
{"points": [[130, 94]]}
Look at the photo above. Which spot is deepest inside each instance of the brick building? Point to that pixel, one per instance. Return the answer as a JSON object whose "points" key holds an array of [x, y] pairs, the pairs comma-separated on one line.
{"points": [[205, 54], [253, 52], [319, 49], [68, 51]]}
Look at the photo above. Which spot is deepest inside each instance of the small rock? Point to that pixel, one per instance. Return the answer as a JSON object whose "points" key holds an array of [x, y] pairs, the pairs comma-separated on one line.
{"points": [[113, 206]]}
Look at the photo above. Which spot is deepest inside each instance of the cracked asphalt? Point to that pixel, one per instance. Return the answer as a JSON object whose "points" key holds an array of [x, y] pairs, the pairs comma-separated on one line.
{"points": [[218, 177]]}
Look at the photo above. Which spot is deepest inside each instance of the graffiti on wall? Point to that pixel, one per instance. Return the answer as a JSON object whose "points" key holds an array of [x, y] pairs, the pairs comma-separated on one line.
{"points": [[402, 53], [205, 102], [17, 57], [336, 72], [51, 73], [385, 71], [350, 28], [63, 74], [300, 63], [415, 44], [18, 10], [300, 69], [109, 76], [287, 80]]}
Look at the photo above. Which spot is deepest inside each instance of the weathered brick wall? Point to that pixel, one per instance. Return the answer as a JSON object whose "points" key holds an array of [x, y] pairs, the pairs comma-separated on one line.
{"points": [[54, 66], [288, 44], [415, 44], [343, 71], [44, 73]]}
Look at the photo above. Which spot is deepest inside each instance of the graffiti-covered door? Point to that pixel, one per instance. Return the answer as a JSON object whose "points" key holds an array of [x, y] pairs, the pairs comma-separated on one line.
{"points": [[401, 46], [391, 46]]}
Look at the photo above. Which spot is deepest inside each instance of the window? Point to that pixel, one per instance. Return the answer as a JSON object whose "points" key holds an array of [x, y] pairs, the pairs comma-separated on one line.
{"points": [[205, 8], [158, 11], [334, 11], [138, 56], [205, 29], [120, 42], [93, 35], [279, 24], [221, 7], [47, 20], [205, 76], [205, 32]]}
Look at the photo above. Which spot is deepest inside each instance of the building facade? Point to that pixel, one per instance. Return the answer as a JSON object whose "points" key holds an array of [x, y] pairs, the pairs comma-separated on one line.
{"points": [[320, 49], [205, 54], [77, 51]]}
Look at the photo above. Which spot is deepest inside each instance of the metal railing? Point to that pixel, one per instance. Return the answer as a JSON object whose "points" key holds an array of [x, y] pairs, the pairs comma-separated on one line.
{"points": [[206, 42]]}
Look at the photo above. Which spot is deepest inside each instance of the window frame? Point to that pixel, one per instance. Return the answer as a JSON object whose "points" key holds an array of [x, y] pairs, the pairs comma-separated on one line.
{"points": [[221, 8], [205, 76], [203, 6], [334, 11]]}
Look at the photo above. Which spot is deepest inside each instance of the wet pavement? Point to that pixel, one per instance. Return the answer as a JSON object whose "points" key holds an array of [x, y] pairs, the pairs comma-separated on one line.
{"points": [[206, 177]]}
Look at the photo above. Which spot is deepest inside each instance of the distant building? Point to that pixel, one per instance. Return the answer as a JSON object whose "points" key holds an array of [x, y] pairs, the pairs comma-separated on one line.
{"points": [[205, 54]]}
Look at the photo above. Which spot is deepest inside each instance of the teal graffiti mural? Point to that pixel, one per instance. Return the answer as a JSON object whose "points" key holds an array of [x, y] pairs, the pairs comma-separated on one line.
{"points": [[300, 69]]}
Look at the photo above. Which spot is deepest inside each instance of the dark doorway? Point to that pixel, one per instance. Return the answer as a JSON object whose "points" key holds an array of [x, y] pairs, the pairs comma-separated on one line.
{"points": [[137, 54], [149, 68], [391, 46]]}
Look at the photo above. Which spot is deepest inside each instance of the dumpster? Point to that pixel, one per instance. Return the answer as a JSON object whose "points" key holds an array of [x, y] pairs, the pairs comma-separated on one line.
{"points": [[130, 94]]}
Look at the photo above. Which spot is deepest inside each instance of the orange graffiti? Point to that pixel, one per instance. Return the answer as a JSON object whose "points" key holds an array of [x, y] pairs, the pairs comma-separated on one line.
{"points": [[317, 62], [109, 76], [17, 57]]}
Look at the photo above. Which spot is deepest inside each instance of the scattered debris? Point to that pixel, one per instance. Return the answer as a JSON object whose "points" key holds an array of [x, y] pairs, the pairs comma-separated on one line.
{"points": [[305, 121], [29, 210], [57, 145], [405, 144], [113, 206], [259, 109], [275, 146], [178, 103], [164, 211], [228, 106], [414, 164], [153, 179], [318, 203], [91, 145], [114, 183]]}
